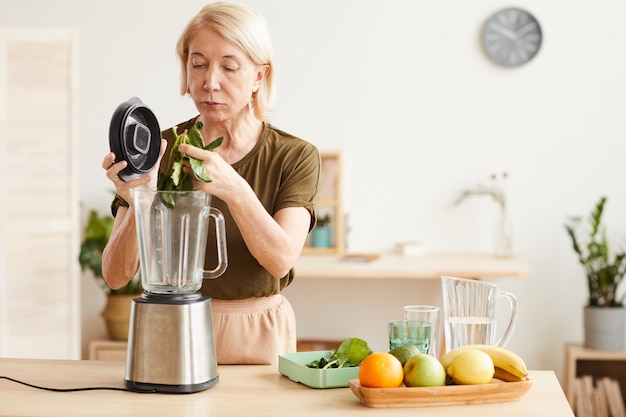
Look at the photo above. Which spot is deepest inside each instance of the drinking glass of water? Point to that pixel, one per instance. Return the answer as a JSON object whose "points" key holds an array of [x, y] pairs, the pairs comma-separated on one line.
{"points": [[410, 332], [426, 314]]}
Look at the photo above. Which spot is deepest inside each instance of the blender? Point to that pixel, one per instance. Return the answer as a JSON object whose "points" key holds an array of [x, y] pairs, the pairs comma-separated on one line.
{"points": [[171, 346]]}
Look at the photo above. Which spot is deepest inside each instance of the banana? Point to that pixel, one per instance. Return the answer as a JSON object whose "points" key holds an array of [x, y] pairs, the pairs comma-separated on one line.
{"points": [[510, 364], [505, 376]]}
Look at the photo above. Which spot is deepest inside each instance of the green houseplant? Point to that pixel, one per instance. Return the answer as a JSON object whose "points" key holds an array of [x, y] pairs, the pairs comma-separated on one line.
{"points": [[116, 312], [605, 272], [96, 235]]}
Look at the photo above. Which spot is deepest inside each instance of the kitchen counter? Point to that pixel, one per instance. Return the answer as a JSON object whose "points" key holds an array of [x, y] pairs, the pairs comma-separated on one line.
{"points": [[427, 266], [242, 391]]}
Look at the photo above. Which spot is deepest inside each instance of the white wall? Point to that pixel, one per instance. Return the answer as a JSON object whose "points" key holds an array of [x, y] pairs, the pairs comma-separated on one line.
{"points": [[403, 90]]}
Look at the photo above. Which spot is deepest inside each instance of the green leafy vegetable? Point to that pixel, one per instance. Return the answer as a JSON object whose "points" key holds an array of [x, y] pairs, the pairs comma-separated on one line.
{"points": [[174, 178], [198, 170], [349, 353]]}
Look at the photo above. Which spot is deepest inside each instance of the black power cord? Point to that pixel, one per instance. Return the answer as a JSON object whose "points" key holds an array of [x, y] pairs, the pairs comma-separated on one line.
{"points": [[75, 389]]}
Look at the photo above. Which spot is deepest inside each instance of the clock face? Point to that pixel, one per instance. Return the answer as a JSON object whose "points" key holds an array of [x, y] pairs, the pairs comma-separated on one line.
{"points": [[511, 37]]}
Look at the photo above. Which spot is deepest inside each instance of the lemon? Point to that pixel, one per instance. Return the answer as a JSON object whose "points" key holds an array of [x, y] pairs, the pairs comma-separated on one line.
{"points": [[471, 367], [404, 352]]}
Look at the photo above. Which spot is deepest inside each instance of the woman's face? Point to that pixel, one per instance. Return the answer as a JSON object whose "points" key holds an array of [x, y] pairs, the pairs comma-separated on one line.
{"points": [[222, 78]]}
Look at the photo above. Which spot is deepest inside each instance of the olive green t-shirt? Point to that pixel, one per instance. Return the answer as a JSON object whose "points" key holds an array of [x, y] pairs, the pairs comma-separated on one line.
{"points": [[284, 172]]}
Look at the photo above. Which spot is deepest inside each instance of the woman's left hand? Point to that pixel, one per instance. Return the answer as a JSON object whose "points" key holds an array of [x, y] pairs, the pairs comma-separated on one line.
{"points": [[225, 181]]}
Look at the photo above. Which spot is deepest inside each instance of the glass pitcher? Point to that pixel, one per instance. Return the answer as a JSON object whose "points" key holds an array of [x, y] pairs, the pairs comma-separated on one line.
{"points": [[172, 229], [470, 311]]}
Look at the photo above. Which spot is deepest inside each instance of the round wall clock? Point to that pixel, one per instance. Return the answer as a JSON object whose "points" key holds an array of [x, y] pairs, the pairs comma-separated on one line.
{"points": [[511, 37]]}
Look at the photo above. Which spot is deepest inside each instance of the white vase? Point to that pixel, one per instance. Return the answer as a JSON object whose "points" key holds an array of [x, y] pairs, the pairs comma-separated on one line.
{"points": [[504, 234]]}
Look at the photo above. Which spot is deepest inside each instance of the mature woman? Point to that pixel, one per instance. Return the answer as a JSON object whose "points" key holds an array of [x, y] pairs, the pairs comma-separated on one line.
{"points": [[263, 180]]}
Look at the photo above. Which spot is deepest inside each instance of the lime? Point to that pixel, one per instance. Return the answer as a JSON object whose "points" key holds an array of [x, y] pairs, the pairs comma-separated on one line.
{"points": [[471, 367], [404, 352], [423, 370]]}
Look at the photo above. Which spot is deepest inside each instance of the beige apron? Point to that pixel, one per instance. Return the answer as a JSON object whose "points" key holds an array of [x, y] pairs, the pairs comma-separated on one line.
{"points": [[253, 330]]}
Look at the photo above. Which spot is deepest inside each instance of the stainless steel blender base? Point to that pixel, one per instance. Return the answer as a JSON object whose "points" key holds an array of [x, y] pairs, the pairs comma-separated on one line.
{"points": [[172, 389], [170, 344]]}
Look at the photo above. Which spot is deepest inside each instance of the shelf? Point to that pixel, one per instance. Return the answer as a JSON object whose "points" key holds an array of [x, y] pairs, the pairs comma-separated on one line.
{"points": [[428, 266], [329, 201]]}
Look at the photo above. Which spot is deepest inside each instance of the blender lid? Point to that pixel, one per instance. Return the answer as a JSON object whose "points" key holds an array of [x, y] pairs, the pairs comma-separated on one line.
{"points": [[135, 137]]}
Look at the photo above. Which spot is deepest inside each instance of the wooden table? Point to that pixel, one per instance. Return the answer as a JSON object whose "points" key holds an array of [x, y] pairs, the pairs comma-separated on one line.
{"points": [[242, 391], [428, 266]]}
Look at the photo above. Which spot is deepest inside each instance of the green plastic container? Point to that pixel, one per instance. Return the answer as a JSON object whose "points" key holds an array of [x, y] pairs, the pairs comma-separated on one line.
{"points": [[293, 366]]}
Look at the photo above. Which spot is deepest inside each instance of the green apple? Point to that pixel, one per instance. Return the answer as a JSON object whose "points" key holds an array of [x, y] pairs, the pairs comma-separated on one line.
{"points": [[424, 370]]}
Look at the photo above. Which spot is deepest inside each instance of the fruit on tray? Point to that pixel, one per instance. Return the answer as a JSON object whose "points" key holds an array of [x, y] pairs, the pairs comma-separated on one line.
{"points": [[471, 367], [422, 370], [404, 352], [381, 370], [466, 365], [508, 366]]}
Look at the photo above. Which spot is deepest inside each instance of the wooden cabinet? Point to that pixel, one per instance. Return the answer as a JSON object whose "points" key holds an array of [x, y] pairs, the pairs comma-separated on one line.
{"points": [[107, 350], [309, 345], [329, 205], [580, 361], [39, 214]]}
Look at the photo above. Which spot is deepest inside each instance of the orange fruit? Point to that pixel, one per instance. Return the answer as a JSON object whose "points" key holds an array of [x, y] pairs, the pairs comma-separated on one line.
{"points": [[381, 370]]}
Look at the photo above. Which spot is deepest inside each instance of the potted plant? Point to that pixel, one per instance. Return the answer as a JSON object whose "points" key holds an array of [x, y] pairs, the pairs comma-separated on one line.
{"points": [[117, 310], [605, 271], [321, 236]]}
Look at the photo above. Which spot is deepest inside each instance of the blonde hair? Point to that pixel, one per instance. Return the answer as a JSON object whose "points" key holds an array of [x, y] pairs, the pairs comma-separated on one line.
{"points": [[246, 29]]}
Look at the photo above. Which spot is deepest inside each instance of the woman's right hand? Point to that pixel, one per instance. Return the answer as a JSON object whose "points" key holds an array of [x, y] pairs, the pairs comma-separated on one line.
{"points": [[122, 188], [120, 258]]}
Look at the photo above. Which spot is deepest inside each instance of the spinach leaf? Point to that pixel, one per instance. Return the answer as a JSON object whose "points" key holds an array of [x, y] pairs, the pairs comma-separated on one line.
{"points": [[352, 351], [349, 353], [217, 142], [174, 178], [198, 170]]}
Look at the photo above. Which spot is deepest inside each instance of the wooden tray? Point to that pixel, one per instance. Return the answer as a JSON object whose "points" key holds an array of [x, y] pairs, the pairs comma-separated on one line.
{"points": [[497, 391]]}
